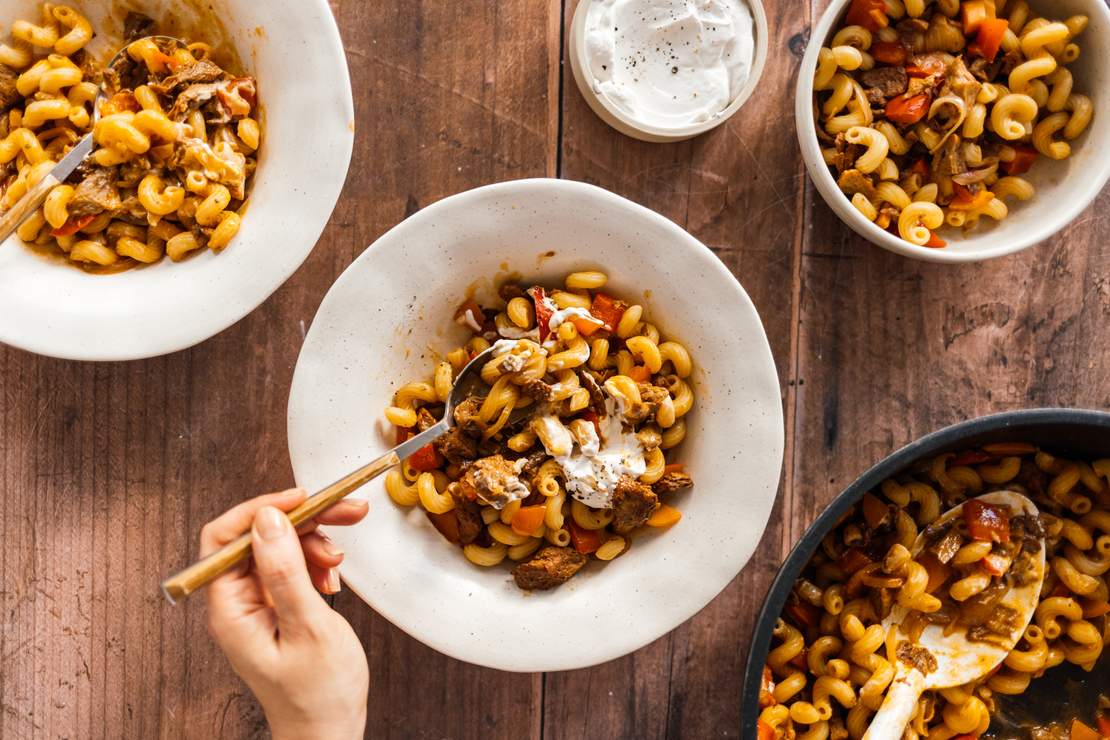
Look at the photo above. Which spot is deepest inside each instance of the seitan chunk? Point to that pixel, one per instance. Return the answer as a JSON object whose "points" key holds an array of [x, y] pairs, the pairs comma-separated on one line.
{"points": [[493, 480], [466, 416], [671, 482], [9, 95], [538, 390], [200, 72], [469, 514], [457, 446], [633, 503], [95, 194], [888, 82], [853, 181], [590, 383], [509, 291], [551, 567]]}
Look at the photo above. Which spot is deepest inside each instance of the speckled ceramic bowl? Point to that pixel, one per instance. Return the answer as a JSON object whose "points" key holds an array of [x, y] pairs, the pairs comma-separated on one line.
{"points": [[380, 326], [53, 308], [1064, 188]]}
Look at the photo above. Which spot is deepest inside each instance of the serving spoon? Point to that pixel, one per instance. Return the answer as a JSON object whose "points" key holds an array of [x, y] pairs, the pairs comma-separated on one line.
{"points": [[204, 571], [958, 660], [22, 209]]}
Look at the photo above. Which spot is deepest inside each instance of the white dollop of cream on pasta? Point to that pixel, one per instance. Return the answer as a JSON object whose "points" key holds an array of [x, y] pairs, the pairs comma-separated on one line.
{"points": [[594, 467], [564, 315]]}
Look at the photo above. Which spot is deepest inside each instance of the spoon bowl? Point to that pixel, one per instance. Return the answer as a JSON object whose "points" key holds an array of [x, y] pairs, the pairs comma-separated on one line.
{"points": [[958, 660]]}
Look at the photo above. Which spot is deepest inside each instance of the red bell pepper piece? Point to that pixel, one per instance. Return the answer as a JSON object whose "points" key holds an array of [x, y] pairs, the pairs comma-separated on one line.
{"points": [[447, 524], [852, 560], [425, 459], [764, 731], [767, 689], [608, 309], [1092, 610], [1080, 731], [584, 541], [73, 225], [986, 522], [1024, 157], [935, 242], [805, 615], [528, 519], [907, 110], [871, 14], [989, 40], [543, 311], [1104, 725], [889, 52]]}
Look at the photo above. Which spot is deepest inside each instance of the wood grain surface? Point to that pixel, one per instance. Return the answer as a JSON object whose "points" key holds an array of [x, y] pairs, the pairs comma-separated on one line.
{"points": [[108, 471]]}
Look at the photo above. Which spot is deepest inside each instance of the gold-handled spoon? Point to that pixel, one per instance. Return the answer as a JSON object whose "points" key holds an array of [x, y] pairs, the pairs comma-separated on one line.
{"points": [[202, 572], [957, 660], [22, 209]]}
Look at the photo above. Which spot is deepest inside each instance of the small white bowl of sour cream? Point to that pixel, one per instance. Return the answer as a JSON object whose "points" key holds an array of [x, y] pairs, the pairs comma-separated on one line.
{"points": [[667, 70]]}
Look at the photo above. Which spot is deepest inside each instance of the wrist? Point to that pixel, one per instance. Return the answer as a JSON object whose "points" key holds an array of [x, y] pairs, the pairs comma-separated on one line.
{"points": [[344, 726], [317, 730]]}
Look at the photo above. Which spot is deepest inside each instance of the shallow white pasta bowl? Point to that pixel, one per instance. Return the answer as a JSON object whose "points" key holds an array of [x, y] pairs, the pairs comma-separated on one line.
{"points": [[1064, 188], [53, 308], [388, 315]]}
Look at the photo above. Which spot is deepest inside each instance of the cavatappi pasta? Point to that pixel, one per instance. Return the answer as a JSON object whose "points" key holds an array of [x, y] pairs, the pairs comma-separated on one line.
{"points": [[174, 149], [584, 465], [832, 662], [931, 111]]}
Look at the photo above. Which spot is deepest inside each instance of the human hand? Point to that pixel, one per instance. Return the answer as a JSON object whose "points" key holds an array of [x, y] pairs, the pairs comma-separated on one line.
{"points": [[299, 657]]}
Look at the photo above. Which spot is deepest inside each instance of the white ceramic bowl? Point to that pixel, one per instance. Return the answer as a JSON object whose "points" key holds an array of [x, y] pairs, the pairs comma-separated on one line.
{"points": [[294, 49], [1064, 188], [618, 119], [377, 328]]}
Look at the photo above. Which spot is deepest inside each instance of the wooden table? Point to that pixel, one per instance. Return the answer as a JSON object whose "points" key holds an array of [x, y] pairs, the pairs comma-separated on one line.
{"points": [[108, 471]]}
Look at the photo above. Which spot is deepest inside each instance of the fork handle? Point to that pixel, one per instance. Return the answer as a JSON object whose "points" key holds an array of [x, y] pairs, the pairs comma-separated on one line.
{"points": [[26, 205], [204, 571]]}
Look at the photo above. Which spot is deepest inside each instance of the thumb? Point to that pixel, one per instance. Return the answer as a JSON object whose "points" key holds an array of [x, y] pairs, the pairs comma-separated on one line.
{"points": [[280, 563]]}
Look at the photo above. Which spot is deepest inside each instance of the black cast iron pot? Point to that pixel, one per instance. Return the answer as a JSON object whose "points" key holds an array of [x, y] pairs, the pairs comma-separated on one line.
{"points": [[1066, 691]]}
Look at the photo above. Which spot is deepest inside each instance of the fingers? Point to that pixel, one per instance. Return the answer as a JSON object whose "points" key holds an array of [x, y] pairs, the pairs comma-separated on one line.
{"points": [[323, 557], [326, 580], [320, 550], [280, 565], [345, 513], [237, 520]]}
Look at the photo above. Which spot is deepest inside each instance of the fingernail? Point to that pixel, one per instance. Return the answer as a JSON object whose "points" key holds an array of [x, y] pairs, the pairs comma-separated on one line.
{"points": [[333, 581], [332, 549], [360, 503], [270, 523]]}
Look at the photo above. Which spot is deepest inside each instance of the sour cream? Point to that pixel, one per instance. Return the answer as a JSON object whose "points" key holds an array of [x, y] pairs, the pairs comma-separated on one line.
{"points": [[594, 467], [669, 63]]}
